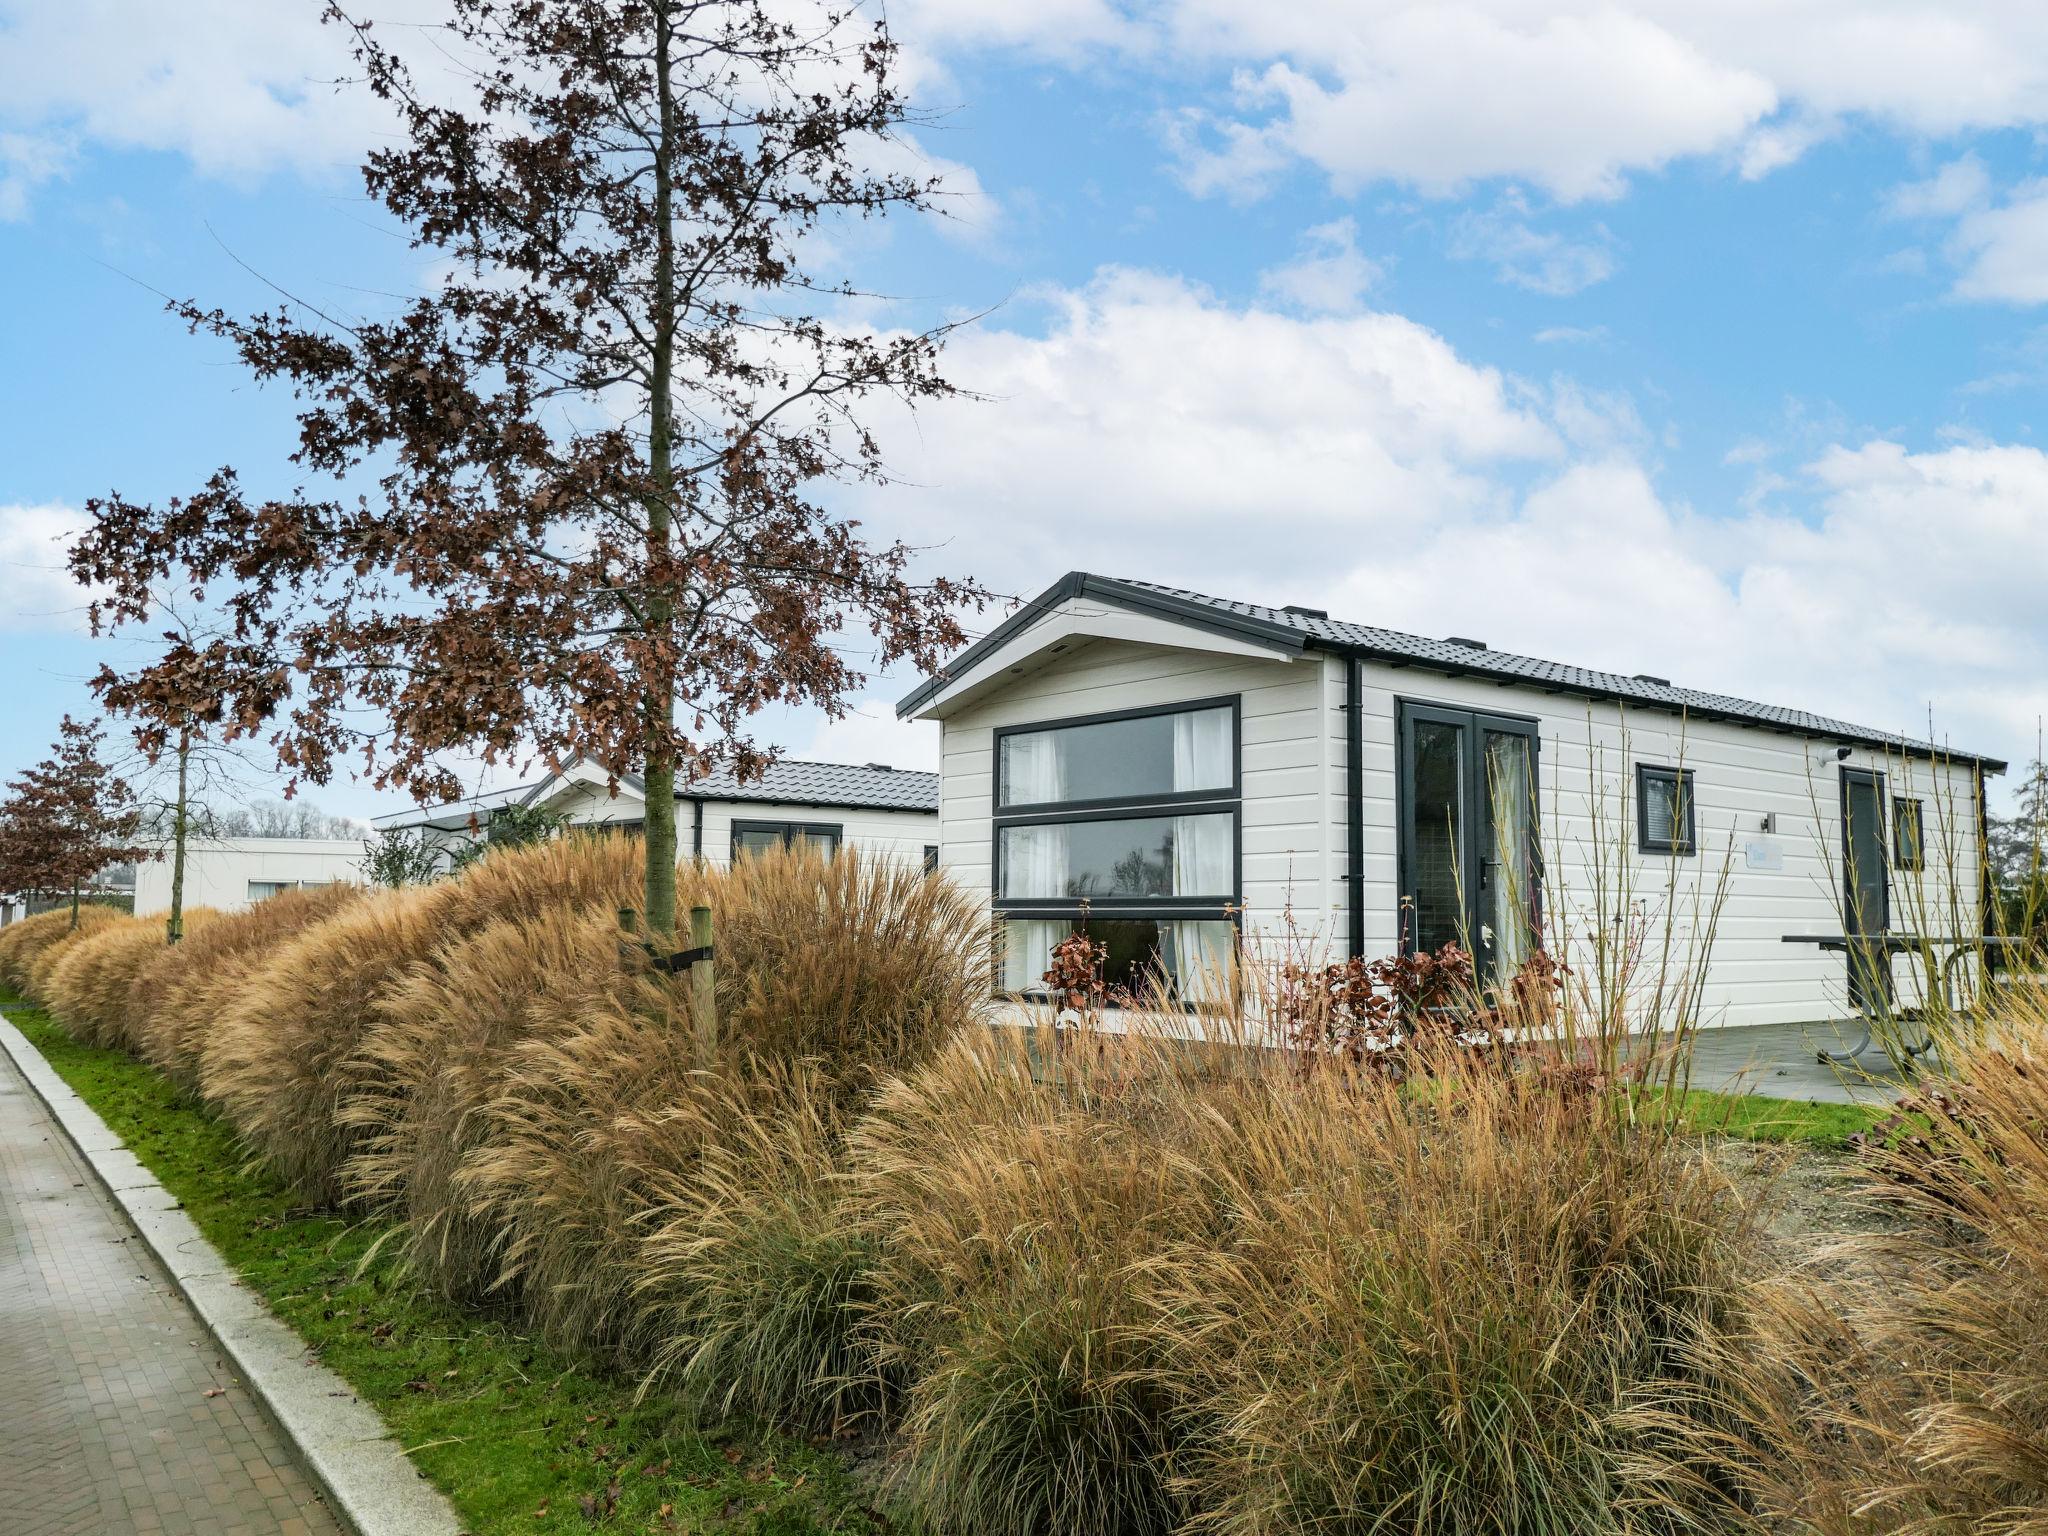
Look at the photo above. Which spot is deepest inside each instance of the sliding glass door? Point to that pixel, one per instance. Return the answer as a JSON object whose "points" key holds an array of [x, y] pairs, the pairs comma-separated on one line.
{"points": [[1466, 804]]}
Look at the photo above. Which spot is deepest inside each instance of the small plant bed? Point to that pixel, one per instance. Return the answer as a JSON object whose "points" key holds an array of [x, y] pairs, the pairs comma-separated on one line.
{"points": [[517, 1436]]}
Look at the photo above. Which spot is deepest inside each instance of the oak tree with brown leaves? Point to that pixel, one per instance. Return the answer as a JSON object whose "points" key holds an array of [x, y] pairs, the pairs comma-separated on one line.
{"points": [[66, 820], [600, 445]]}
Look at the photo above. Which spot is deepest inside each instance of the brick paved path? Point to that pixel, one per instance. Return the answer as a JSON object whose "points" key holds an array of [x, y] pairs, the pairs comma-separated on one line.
{"points": [[105, 1425]]}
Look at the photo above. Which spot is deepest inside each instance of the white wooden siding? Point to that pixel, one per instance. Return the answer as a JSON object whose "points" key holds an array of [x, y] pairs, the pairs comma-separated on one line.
{"points": [[1293, 744]]}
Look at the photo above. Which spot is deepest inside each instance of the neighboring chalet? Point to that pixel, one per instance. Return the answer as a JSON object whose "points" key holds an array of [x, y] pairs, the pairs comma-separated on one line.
{"points": [[230, 873], [1183, 773], [834, 805]]}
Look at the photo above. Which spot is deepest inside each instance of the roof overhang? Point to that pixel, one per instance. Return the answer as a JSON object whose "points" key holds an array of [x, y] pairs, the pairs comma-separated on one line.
{"points": [[1082, 607]]}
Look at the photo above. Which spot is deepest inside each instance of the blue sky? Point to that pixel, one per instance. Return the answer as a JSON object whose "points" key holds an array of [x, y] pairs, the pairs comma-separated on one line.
{"points": [[1689, 337]]}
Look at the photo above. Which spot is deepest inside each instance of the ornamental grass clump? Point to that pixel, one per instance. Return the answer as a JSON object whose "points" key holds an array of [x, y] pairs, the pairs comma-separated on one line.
{"points": [[285, 1056], [1130, 1283], [589, 1157], [754, 1279], [30, 947], [90, 992], [434, 1059], [179, 996], [1899, 1382], [1017, 1222], [1431, 1308], [861, 963]]}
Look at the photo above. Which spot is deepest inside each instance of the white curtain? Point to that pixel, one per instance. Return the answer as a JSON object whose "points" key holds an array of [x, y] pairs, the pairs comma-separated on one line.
{"points": [[1507, 777], [1027, 951], [1034, 862], [1197, 956], [1201, 750], [1201, 856], [1032, 772]]}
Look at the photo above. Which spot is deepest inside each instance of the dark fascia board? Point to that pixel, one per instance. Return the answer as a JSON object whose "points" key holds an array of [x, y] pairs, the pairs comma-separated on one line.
{"points": [[1076, 584]]}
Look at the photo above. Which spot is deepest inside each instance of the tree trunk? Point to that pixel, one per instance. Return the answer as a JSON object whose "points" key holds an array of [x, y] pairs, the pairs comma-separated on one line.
{"points": [[658, 676], [74, 906], [174, 926]]}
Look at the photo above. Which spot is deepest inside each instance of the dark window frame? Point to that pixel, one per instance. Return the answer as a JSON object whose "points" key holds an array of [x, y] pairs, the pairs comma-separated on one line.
{"points": [[1411, 711], [1902, 806], [1682, 847], [789, 832], [931, 858], [1217, 907], [1045, 810]]}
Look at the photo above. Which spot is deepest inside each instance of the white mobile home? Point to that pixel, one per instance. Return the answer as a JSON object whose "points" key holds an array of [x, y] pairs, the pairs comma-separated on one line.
{"points": [[893, 811], [1184, 774], [230, 873]]}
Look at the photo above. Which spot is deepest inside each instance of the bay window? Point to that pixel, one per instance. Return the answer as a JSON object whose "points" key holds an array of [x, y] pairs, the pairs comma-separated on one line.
{"points": [[1127, 825]]}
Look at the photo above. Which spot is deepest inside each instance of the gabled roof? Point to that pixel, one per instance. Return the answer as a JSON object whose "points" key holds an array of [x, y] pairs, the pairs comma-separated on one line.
{"points": [[1304, 629], [875, 786], [849, 786]]}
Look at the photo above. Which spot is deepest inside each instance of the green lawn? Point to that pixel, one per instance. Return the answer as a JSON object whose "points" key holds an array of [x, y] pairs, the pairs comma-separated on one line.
{"points": [[517, 1436], [1754, 1117]]}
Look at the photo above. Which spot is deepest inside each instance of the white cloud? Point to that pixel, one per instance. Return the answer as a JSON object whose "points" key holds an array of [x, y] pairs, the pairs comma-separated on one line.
{"points": [[1961, 184], [1151, 426], [1554, 335], [40, 594], [1330, 276], [1574, 96], [871, 733], [27, 161], [1540, 260], [239, 87], [2003, 250]]}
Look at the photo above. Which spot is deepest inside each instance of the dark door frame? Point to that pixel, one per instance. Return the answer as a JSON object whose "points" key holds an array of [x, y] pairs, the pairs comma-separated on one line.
{"points": [[1471, 857], [1859, 962]]}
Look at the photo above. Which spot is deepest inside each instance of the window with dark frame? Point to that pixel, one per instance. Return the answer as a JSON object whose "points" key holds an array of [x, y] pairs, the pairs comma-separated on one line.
{"points": [[1909, 845], [751, 837], [1127, 824], [1664, 810], [931, 858]]}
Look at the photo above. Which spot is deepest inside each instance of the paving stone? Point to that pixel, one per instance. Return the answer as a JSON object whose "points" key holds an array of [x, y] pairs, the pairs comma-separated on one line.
{"points": [[105, 1425]]}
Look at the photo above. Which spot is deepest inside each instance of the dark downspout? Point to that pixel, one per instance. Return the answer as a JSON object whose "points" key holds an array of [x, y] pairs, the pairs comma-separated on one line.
{"points": [[1354, 802], [697, 830]]}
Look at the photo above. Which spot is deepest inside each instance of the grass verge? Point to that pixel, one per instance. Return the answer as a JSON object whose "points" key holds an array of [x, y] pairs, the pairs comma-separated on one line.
{"points": [[516, 1435]]}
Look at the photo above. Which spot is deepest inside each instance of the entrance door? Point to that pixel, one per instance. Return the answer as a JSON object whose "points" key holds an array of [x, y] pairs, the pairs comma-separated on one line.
{"points": [[1866, 901], [1467, 811]]}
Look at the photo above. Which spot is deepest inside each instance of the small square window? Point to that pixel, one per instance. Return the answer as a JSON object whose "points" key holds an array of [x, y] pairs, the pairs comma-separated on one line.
{"points": [[931, 858], [1664, 812], [1909, 847]]}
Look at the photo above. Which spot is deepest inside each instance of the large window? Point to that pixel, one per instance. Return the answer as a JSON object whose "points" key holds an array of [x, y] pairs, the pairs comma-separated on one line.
{"points": [[760, 836], [1664, 814], [1127, 824]]}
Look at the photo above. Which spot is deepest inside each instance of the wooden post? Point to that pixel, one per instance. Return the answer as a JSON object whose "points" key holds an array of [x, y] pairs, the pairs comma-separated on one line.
{"points": [[703, 989]]}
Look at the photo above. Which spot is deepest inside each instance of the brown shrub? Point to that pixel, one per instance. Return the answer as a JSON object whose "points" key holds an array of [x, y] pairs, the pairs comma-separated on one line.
{"points": [[91, 989], [284, 1056], [177, 998]]}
